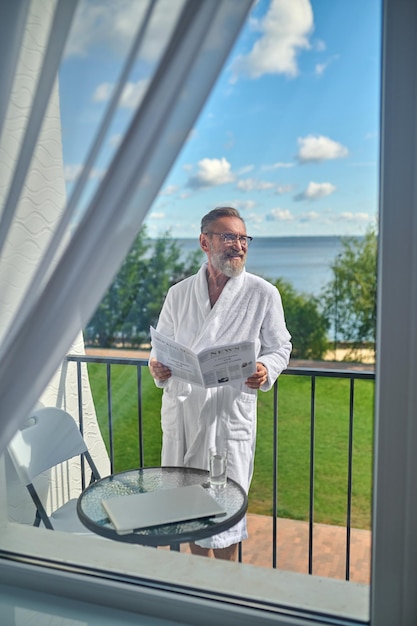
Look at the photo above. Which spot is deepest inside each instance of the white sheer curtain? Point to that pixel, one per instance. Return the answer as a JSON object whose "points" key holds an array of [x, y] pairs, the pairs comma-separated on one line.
{"points": [[77, 265], [28, 225]]}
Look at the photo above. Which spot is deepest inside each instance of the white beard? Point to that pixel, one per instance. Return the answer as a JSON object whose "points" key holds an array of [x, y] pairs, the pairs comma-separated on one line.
{"points": [[227, 265]]}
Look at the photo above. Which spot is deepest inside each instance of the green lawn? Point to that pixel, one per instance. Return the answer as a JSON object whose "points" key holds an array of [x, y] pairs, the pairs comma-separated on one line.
{"points": [[330, 450]]}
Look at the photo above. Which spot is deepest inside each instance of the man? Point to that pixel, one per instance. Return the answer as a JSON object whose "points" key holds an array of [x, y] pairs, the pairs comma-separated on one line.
{"points": [[221, 304]]}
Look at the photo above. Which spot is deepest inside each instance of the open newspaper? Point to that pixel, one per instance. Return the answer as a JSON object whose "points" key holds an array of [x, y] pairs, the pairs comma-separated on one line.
{"points": [[212, 367]]}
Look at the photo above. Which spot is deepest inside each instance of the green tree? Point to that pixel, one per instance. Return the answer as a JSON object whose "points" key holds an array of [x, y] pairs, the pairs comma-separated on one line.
{"points": [[134, 299], [307, 325], [350, 297], [164, 269]]}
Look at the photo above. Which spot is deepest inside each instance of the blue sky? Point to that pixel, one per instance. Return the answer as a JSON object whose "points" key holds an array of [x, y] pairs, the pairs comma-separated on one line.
{"points": [[289, 135]]}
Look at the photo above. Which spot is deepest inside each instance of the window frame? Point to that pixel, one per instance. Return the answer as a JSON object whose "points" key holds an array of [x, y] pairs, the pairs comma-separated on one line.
{"points": [[394, 554]]}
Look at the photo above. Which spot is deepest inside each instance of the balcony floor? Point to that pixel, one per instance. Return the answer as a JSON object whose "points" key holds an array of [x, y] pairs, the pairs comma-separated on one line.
{"points": [[329, 548]]}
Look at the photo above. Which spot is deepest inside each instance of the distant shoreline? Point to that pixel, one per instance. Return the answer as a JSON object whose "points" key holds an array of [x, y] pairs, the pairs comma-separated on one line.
{"points": [[329, 363], [266, 237]]}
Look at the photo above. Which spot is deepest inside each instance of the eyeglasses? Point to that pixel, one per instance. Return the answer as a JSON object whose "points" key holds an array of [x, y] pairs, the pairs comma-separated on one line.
{"points": [[231, 238]]}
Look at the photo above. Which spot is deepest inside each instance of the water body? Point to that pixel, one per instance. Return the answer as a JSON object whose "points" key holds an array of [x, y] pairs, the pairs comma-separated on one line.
{"points": [[302, 261]]}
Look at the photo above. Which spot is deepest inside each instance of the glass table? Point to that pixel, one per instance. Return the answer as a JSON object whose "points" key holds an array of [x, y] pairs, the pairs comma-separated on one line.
{"points": [[91, 512]]}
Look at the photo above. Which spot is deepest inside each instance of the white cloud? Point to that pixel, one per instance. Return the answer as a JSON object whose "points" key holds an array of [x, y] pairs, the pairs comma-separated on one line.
{"points": [[169, 190], [319, 45], [254, 218], [243, 205], [157, 216], [319, 148], [245, 170], [211, 172], [280, 189], [310, 216], [285, 31], [113, 25], [252, 184], [279, 215], [131, 95], [240, 205], [315, 191], [230, 141], [103, 92], [321, 67], [355, 217], [276, 166]]}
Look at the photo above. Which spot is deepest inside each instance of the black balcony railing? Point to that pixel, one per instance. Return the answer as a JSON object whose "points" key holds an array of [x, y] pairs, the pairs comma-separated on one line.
{"points": [[312, 373]]}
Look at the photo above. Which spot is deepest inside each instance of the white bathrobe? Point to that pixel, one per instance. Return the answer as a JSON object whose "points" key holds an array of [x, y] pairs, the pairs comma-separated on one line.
{"points": [[193, 418]]}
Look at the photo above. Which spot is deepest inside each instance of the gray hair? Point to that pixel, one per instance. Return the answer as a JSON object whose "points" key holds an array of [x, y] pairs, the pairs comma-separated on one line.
{"points": [[217, 213]]}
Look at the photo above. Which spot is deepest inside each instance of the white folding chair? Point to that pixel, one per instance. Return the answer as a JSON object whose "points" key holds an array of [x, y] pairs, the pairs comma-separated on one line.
{"points": [[49, 437]]}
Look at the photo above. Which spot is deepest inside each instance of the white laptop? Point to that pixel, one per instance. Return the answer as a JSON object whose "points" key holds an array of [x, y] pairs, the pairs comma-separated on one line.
{"points": [[143, 510]]}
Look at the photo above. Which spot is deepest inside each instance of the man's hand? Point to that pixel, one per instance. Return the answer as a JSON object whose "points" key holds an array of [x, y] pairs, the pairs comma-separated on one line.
{"points": [[159, 371], [259, 378]]}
